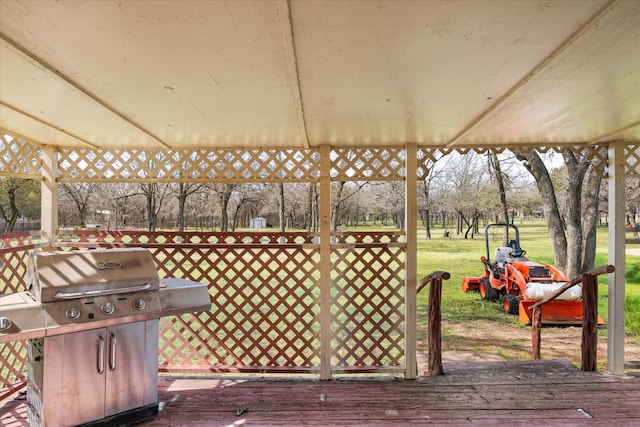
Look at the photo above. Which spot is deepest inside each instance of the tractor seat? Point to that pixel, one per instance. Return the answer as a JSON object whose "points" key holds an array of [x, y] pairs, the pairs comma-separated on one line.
{"points": [[503, 255]]}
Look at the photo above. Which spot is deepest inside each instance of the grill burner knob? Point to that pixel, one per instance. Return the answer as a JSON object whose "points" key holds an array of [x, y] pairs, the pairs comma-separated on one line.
{"points": [[72, 313], [139, 304], [107, 308], [5, 323]]}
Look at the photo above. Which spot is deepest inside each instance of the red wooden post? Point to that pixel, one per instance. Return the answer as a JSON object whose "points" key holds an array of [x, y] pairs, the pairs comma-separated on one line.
{"points": [[589, 343], [434, 328], [536, 330]]}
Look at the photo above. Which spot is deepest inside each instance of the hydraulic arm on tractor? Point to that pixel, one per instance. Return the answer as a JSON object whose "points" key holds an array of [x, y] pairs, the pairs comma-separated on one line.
{"points": [[520, 283]]}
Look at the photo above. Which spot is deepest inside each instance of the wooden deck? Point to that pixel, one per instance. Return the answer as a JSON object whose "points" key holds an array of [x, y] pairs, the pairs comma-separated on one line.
{"points": [[548, 392]]}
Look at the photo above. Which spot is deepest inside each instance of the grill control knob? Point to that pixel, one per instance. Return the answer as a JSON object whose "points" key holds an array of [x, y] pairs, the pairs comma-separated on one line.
{"points": [[72, 313], [5, 323], [139, 304], [107, 308]]}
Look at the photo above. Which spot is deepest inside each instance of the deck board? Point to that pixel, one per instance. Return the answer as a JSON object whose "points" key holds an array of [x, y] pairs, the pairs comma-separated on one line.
{"points": [[541, 393]]}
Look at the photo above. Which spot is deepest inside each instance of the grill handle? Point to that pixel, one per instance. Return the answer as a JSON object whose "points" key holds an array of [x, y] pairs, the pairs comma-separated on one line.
{"points": [[112, 353], [101, 356], [72, 295]]}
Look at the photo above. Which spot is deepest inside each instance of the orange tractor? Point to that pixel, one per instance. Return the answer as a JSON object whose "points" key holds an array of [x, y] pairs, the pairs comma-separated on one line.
{"points": [[520, 283]]}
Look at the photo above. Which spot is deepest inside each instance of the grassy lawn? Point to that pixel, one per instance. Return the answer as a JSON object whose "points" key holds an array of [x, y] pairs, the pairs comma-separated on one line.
{"points": [[461, 257]]}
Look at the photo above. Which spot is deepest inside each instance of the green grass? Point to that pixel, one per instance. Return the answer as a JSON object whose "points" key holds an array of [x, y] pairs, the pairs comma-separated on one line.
{"points": [[461, 257]]}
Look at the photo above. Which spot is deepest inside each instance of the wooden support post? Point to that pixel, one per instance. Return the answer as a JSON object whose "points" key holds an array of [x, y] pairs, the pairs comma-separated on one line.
{"points": [[49, 193], [325, 262], [616, 289], [589, 282], [536, 330], [434, 329], [410, 262], [589, 343]]}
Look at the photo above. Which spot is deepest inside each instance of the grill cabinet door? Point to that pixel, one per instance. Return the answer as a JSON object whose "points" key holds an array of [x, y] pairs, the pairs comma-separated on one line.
{"points": [[83, 383], [125, 367]]}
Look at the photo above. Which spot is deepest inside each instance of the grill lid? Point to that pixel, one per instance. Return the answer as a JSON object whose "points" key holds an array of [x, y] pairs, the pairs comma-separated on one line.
{"points": [[56, 276]]}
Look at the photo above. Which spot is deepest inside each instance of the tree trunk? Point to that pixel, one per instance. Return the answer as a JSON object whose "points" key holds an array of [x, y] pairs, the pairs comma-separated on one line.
{"points": [[152, 217], [590, 209], [503, 194], [11, 216], [536, 167], [182, 202], [427, 223], [11, 222], [336, 207], [281, 212], [576, 172], [224, 215]]}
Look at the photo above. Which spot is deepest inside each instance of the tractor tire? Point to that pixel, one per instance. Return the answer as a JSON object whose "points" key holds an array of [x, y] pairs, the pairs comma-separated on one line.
{"points": [[486, 291], [511, 303]]}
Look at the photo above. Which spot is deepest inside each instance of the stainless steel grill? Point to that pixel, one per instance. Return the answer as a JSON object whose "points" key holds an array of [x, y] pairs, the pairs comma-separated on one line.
{"points": [[91, 320]]}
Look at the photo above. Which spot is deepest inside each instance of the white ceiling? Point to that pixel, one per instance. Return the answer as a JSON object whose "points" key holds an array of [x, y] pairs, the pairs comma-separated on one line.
{"points": [[227, 74]]}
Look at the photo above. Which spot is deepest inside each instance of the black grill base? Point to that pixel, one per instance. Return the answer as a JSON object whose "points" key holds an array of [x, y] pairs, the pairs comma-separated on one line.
{"points": [[127, 418]]}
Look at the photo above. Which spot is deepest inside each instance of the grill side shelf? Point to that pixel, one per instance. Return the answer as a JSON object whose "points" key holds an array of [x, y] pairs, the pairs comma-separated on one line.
{"points": [[179, 296]]}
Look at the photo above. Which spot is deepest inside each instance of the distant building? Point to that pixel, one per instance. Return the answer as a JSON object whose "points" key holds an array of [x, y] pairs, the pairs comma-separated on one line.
{"points": [[258, 222]]}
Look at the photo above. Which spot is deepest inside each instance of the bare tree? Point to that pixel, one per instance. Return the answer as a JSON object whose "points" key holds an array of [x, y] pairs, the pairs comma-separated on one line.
{"points": [[632, 197], [245, 196], [155, 195], [425, 200], [281, 209], [184, 190], [390, 197], [313, 213], [470, 183], [122, 196], [496, 171], [569, 249], [224, 193], [81, 194], [342, 193]]}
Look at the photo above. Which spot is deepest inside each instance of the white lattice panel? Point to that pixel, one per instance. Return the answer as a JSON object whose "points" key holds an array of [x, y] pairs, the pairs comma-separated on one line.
{"points": [[427, 157], [598, 155], [19, 158], [632, 156], [196, 165], [360, 164]]}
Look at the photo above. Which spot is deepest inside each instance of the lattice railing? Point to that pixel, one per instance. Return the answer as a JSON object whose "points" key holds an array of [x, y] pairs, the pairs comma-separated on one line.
{"points": [[367, 302], [265, 312], [184, 238], [13, 267], [265, 298]]}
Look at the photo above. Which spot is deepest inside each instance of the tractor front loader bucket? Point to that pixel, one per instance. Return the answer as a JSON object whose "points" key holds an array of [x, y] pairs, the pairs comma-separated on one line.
{"points": [[470, 284], [556, 312]]}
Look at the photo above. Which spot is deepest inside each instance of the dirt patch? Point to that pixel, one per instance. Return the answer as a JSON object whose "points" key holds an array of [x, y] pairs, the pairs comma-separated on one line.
{"points": [[481, 339]]}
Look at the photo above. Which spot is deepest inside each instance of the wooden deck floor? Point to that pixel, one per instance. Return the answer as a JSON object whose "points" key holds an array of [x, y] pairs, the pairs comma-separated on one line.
{"points": [[549, 392]]}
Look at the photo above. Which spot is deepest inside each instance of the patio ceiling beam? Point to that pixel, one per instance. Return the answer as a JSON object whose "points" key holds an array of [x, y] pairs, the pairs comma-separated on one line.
{"points": [[30, 56], [542, 66], [289, 48], [614, 132], [48, 124]]}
